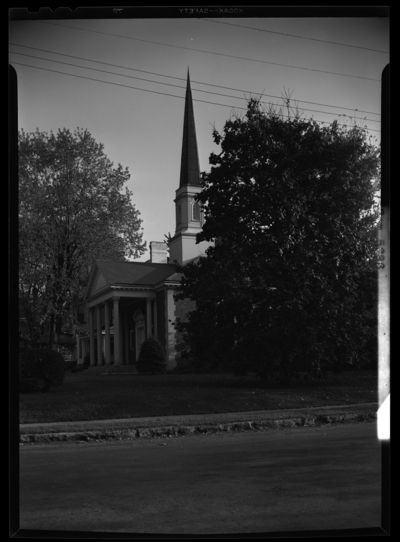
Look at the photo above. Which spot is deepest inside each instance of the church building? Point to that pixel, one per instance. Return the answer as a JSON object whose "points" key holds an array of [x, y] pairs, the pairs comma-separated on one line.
{"points": [[128, 302]]}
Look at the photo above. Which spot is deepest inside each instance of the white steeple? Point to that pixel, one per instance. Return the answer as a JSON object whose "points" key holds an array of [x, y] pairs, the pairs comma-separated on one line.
{"points": [[189, 217]]}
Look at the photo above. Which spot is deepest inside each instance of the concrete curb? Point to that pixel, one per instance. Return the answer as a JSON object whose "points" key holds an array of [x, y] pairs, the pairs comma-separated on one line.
{"points": [[180, 430]]}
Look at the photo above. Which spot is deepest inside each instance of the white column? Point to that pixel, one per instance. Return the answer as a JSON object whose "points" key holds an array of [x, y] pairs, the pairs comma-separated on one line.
{"points": [[148, 318], [126, 340], [107, 333], [91, 332], [117, 338], [155, 317], [99, 341], [170, 330]]}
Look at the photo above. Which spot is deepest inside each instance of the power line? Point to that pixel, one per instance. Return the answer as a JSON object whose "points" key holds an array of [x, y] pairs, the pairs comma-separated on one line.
{"points": [[153, 91], [213, 53], [167, 84], [120, 85], [296, 36], [183, 79]]}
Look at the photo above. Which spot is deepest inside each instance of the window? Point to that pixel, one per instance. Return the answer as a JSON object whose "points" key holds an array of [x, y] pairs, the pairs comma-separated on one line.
{"points": [[196, 211], [178, 214]]}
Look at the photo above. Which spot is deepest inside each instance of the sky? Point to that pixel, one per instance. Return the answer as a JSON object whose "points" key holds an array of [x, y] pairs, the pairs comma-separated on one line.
{"points": [[124, 81]]}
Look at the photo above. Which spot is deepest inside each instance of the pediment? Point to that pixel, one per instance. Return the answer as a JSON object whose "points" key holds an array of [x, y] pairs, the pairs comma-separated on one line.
{"points": [[97, 282]]}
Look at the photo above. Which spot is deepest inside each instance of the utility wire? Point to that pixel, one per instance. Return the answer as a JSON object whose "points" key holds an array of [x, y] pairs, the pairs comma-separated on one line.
{"points": [[167, 84], [296, 36], [154, 91], [212, 52], [183, 79]]}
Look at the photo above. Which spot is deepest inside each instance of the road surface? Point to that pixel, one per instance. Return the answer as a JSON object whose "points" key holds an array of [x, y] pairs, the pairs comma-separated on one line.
{"points": [[248, 482]]}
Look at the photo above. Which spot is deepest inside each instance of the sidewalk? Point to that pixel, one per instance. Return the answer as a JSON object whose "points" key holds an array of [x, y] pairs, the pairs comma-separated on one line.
{"points": [[153, 427]]}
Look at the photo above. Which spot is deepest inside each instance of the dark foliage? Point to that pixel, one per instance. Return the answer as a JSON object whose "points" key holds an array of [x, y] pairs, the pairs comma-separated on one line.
{"points": [[40, 369], [151, 357], [187, 364], [86, 360], [69, 365], [291, 283]]}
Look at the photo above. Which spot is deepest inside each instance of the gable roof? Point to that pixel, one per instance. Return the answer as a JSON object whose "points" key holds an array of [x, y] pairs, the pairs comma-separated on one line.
{"points": [[132, 273], [119, 273]]}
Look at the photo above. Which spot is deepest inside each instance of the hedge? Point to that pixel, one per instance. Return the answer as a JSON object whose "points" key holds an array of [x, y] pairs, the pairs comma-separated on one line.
{"points": [[40, 369]]}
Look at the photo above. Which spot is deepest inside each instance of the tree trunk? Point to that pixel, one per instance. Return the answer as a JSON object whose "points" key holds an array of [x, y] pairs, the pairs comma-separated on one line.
{"points": [[51, 332], [58, 325]]}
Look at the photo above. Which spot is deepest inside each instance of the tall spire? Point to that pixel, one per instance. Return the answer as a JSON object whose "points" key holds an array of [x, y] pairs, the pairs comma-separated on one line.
{"points": [[190, 167], [189, 215]]}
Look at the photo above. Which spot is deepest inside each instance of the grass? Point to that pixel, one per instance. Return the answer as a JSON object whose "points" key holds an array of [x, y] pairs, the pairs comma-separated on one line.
{"points": [[85, 396]]}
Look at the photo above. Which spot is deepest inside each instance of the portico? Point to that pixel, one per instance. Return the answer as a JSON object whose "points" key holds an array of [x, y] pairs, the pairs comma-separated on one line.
{"points": [[116, 305], [122, 315]]}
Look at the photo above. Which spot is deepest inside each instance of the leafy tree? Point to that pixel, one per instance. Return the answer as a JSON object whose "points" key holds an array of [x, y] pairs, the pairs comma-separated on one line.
{"points": [[291, 280], [72, 209]]}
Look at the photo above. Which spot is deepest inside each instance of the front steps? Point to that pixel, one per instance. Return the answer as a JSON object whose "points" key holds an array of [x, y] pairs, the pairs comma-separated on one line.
{"points": [[113, 369]]}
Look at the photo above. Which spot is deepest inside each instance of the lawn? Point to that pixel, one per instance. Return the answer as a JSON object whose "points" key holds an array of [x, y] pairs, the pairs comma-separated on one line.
{"points": [[86, 396]]}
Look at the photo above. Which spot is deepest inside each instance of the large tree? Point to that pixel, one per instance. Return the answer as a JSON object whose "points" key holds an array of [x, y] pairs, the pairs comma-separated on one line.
{"points": [[72, 209], [291, 280]]}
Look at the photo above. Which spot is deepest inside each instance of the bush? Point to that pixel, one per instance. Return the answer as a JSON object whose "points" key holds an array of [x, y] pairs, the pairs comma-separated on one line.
{"points": [[78, 368], [151, 357], [32, 385], [189, 364], [41, 369], [69, 365], [86, 360], [184, 365]]}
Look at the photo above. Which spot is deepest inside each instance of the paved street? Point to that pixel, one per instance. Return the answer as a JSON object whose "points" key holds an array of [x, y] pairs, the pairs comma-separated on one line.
{"points": [[277, 480]]}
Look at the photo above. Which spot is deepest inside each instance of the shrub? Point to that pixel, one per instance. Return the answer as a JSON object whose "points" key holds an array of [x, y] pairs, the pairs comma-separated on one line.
{"points": [[86, 360], [69, 365], [78, 368], [32, 385], [184, 365], [151, 357], [40, 369], [189, 364]]}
